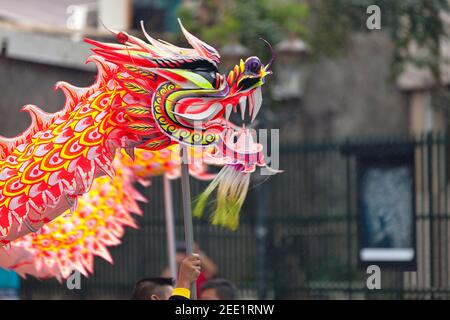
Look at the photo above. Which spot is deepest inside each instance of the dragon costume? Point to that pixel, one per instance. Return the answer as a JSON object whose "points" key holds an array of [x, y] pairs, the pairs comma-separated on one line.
{"points": [[71, 241], [147, 96]]}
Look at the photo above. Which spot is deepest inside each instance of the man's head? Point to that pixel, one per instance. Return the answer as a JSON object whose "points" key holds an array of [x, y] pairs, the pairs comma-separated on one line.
{"points": [[153, 289], [218, 289]]}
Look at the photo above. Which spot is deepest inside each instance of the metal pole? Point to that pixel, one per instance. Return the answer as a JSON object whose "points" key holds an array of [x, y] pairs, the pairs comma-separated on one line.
{"points": [[429, 143], [261, 243], [170, 226], [349, 225], [187, 214]]}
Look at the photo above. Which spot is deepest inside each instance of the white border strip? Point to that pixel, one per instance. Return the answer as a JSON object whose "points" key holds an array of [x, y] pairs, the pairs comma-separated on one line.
{"points": [[376, 254]]}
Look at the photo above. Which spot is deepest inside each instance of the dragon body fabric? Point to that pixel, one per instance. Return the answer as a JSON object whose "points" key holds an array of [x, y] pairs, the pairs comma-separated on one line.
{"points": [[146, 96], [71, 241]]}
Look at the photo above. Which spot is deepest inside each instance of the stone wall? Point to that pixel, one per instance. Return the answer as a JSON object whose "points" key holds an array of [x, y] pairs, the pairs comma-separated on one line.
{"points": [[24, 83], [350, 95]]}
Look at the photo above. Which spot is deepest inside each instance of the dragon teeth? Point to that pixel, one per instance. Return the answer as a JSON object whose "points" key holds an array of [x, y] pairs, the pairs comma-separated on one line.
{"points": [[257, 95], [243, 103], [228, 110], [251, 104], [254, 102]]}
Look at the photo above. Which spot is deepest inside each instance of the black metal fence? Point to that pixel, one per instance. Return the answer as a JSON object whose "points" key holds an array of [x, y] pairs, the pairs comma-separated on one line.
{"points": [[298, 234]]}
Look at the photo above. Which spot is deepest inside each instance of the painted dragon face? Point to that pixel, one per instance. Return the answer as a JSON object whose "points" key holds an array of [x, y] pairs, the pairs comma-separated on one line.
{"points": [[185, 96], [192, 105]]}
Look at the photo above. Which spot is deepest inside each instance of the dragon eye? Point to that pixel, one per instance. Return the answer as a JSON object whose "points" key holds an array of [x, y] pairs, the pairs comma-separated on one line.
{"points": [[209, 75], [253, 65]]}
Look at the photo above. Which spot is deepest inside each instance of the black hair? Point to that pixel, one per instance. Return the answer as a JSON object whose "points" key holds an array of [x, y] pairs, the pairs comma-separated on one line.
{"points": [[224, 288], [145, 288]]}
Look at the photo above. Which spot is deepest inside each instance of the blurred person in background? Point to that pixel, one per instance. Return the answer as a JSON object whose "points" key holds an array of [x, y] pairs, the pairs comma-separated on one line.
{"points": [[153, 289], [162, 288], [218, 289], [9, 285], [209, 268]]}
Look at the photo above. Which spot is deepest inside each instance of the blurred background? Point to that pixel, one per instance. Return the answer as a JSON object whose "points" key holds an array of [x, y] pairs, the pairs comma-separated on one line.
{"points": [[363, 116]]}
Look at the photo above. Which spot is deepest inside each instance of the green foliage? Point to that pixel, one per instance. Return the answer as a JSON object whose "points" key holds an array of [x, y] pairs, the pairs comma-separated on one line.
{"points": [[247, 20], [325, 25], [407, 21]]}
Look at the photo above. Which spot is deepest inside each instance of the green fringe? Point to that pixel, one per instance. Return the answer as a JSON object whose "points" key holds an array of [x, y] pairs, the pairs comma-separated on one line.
{"points": [[232, 187]]}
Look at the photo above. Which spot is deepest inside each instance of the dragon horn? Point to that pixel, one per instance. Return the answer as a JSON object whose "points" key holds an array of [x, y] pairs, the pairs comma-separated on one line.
{"points": [[115, 32], [274, 55], [204, 49]]}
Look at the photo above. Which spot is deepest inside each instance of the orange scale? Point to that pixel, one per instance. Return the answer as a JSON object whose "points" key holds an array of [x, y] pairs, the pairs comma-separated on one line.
{"points": [[44, 243], [11, 161], [53, 161], [73, 149], [7, 174], [91, 137], [13, 187], [57, 244], [33, 174], [92, 223], [46, 136], [85, 111], [27, 154], [101, 100]]}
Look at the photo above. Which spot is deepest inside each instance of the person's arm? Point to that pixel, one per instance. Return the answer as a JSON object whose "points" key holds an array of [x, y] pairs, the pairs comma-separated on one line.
{"points": [[209, 267], [188, 273]]}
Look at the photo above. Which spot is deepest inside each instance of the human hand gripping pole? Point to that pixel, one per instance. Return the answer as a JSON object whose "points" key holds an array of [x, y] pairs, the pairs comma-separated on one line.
{"points": [[188, 273]]}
